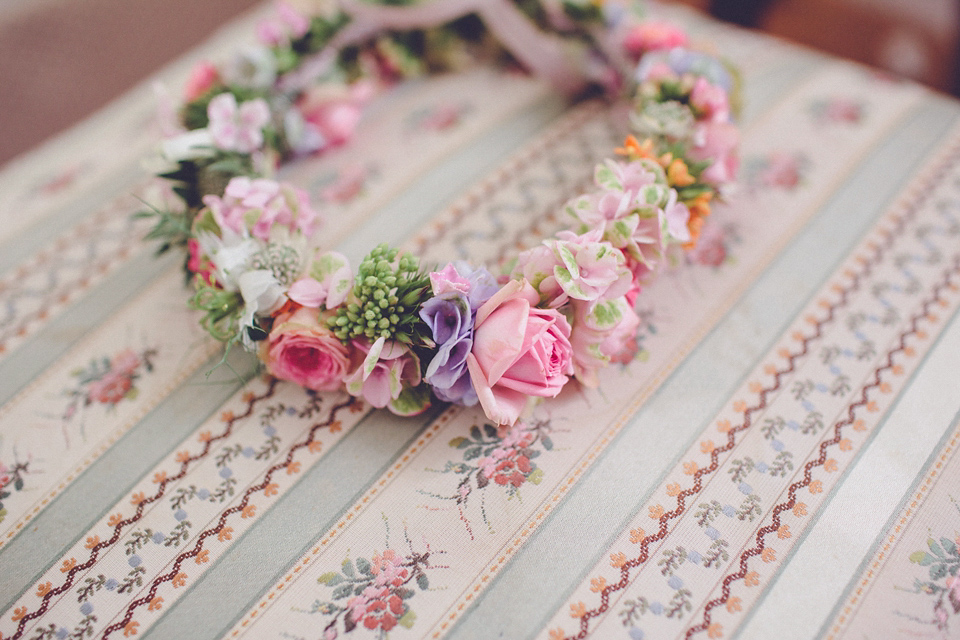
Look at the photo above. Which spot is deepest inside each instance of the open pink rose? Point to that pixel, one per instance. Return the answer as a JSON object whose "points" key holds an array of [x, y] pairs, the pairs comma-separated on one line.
{"points": [[125, 362], [518, 351], [301, 348], [652, 36]]}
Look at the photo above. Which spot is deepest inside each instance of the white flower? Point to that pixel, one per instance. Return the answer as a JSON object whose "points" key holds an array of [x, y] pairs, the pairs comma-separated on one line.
{"points": [[188, 146], [262, 294], [251, 68]]}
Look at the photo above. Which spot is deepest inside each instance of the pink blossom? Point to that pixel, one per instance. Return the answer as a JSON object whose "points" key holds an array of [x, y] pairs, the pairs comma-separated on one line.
{"points": [[575, 266], [288, 24], [710, 100], [303, 350], [652, 36], [380, 377], [388, 570], [110, 389], [595, 345], [448, 280], [335, 113], [257, 205], [717, 142], [125, 362], [202, 78], [237, 128], [4, 475], [518, 351]]}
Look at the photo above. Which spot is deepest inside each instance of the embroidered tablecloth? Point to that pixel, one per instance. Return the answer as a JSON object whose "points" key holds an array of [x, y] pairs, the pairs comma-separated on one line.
{"points": [[780, 460]]}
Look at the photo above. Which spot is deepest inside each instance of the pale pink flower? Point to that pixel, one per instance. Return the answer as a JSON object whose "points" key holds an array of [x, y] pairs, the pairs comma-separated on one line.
{"points": [[717, 142], [386, 366], [288, 25], [652, 36], [710, 101], [448, 280], [596, 344], [257, 205], [237, 128], [518, 351]]}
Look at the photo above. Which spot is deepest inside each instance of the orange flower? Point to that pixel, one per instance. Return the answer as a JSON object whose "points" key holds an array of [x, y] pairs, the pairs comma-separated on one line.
{"points": [[678, 174], [634, 149]]}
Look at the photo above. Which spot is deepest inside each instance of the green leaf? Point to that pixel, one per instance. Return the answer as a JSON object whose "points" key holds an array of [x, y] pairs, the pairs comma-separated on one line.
{"points": [[363, 565], [938, 571], [934, 547], [342, 591], [412, 400], [423, 582], [472, 453], [921, 557], [490, 430], [536, 476], [347, 568], [459, 442], [406, 621], [546, 442], [949, 546]]}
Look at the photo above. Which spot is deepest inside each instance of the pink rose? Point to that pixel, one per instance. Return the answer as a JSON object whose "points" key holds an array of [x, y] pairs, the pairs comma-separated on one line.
{"points": [[111, 388], [518, 351], [301, 348], [595, 346], [202, 78]]}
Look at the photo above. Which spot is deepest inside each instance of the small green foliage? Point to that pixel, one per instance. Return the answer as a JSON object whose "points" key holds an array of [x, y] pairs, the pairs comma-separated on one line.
{"points": [[384, 300], [221, 311]]}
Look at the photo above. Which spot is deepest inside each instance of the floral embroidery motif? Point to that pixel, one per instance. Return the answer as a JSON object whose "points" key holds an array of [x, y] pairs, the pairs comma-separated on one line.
{"points": [[838, 110], [11, 479], [715, 246], [374, 594], [501, 457], [437, 118], [777, 170], [943, 587], [108, 381]]}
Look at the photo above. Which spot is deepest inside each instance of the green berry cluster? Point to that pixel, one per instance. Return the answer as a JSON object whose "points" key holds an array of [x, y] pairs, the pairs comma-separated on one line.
{"points": [[385, 299]]}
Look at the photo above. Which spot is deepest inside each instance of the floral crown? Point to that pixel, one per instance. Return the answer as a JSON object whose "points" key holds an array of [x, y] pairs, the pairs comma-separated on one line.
{"points": [[392, 331]]}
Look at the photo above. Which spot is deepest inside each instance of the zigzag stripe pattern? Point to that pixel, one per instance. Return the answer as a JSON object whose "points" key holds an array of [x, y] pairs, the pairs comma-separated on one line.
{"points": [[23, 618], [862, 401], [866, 268]]}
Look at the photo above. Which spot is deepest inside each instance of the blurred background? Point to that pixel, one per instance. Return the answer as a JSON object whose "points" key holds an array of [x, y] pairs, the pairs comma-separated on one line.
{"points": [[61, 60]]}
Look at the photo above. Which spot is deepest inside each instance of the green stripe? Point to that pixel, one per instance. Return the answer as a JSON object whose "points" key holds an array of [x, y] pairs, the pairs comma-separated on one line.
{"points": [[633, 465]]}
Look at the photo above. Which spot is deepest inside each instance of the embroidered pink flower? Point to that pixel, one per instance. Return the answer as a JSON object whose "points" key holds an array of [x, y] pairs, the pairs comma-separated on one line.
{"points": [[388, 570], [302, 349], [237, 128], [125, 363], [258, 205], [508, 464], [347, 185], [518, 351], [711, 251], [110, 389], [380, 377], [652, 36]]}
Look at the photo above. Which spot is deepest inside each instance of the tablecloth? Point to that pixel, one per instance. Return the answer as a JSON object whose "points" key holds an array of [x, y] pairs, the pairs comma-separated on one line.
{"points": [[779, 460]]}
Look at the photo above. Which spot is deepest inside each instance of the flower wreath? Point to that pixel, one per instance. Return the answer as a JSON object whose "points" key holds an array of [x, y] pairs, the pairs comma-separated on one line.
{"points": [[393, 332]]}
